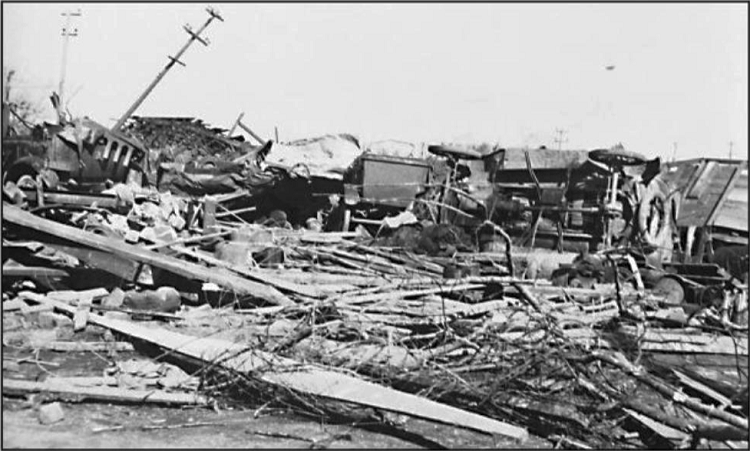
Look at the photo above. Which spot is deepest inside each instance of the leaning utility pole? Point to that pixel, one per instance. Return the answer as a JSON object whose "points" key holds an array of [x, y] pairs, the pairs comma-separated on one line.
{"points": [[194, 36], [66, 33]]}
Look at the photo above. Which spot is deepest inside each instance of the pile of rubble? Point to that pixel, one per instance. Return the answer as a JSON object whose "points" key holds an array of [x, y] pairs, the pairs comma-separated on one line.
{"points": [[405, 321], [578, 299]]}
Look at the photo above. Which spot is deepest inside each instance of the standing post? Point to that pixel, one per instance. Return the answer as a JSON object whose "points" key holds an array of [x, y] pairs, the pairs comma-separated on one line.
{"points": [[6, 95], [66, 33], [194, 36]]}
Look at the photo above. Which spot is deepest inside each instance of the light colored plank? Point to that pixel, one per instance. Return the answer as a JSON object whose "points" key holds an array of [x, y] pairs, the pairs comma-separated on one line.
{"points": [[713, 394], [113, 394], [119, 248], [665, 431], [297, 376]]}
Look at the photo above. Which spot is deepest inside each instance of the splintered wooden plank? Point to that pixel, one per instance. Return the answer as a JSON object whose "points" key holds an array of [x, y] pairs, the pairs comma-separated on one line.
{"points": [[665, 431], [708, 391], [83, 346], [667, 341], [400, 294], [33, 272], [298, 376], [121, 249], [102, 393]]}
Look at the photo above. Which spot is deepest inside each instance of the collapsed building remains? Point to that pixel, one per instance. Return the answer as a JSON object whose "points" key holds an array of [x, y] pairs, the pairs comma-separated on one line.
{"points": [[568, 298]]}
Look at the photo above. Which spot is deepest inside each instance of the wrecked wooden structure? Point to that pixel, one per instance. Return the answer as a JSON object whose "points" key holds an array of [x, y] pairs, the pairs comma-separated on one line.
{"points": [[230, 263], [714, 207], [321, 320], [377, 284]]}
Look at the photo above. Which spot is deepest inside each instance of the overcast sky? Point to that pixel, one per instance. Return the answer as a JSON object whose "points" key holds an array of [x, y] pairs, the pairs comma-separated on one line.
{"points": [[511, 74]]}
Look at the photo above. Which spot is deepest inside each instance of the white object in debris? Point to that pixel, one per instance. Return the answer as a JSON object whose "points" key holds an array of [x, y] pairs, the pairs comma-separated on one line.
{"points": [[403, 218], [210, 286], [131, 236]]}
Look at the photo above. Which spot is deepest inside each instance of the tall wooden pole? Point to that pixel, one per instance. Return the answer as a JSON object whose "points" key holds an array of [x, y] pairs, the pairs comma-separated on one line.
{"points": [[66, 33], [194, 36]]}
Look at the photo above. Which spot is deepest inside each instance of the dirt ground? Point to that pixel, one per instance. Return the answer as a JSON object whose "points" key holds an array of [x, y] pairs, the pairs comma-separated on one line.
{"points": [[92, 425]]}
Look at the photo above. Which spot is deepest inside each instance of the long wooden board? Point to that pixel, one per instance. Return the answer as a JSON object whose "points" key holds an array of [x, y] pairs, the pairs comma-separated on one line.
{"points": [[13, 386], [121, 249], [309, 379]]}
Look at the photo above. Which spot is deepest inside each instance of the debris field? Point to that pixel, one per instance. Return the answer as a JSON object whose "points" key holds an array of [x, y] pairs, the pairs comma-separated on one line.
{"points": [[429, 295]]}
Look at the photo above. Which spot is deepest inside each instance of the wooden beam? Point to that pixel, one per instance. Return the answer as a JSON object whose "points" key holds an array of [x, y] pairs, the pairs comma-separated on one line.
{"points": [[252, 133], [708, 391], [297, 376], [234, 126], [192, 239], [84, 346], [240, 285], [112, 394], [33, 271], [121, 267]]}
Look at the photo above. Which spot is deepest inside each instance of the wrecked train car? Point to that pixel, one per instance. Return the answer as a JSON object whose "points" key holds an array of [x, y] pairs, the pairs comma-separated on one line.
{"points": [[83, 150], [575, 200]]}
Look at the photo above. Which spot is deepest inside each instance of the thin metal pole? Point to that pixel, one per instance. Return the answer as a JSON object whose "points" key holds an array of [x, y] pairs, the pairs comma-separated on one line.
{"points": [[194, 36]]}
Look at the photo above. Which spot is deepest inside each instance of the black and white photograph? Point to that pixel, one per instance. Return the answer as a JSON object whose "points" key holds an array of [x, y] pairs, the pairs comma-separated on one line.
{"points": [[375, 225]]}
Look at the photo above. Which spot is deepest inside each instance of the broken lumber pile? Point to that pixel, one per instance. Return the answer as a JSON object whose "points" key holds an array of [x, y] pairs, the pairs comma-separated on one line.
{"points": [[341, 320]]}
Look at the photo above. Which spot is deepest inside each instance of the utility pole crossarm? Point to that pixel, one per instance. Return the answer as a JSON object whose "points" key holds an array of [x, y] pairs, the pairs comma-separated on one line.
{"points": [[194, 36]]}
